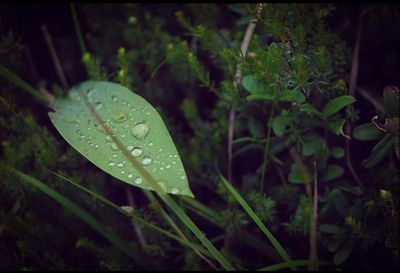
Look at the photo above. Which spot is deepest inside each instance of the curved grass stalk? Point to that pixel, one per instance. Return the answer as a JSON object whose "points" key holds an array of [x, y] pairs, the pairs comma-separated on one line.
{"points": [[135, 217], [258, 222], [161, 192], [107, 233], [12, 77]]}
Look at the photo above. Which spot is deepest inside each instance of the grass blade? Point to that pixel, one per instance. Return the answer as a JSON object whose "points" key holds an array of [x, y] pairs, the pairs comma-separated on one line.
{"points": [[6, 73], [135, 217], [258, 221], [107, 233]]}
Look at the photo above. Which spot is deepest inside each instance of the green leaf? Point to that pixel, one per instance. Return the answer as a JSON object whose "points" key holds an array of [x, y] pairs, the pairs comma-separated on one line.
{"points": [[332, 172], [335, 105], [312, 145], [343, 253], [295, 175], [367, 131], [391, 100], [310, 109], [336, 127], [337, 152], [253, 84], [329, 228], [340, 201], [379, 151], [255, 127], [134, 122], [258, 89], [278, 125], [292, 96]]}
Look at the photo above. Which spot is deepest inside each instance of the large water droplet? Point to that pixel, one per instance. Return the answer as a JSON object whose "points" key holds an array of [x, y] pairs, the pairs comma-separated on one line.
{"points": [[130, 175], [146, 160], [136, 151], [138, 180], [119, 117], [140, 130], [175, 190], [120, 164], [111, 164]]}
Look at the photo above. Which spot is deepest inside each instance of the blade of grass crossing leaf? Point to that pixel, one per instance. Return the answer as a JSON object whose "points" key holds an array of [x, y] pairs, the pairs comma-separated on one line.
{"points": [[258, 222], [172, 223], [160, 191], [83, 215], [135, 217], [22, 84]]}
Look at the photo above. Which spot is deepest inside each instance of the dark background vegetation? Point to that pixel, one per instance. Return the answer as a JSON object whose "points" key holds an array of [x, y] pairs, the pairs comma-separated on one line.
{"points": [[38, 234]]}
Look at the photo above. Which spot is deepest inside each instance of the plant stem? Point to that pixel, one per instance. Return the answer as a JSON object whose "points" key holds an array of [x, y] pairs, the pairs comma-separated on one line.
{"points": [[23, 85], [266, 150], [238, 77], [313, 260], [352, 90], [78, 30]]}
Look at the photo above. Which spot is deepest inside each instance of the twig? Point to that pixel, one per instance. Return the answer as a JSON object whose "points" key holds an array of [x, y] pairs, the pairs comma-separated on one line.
{"points": [[313, 260], [137, 228], [352, 90], [375, 102], [238, 77], [266, 149], [303, 170], [54, 56]]}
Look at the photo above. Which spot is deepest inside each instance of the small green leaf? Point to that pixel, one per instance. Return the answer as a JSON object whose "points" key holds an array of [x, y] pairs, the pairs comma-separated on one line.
{"points": [[292, 96], [253, 84], [189, 109], [312, 145], [340, 201], [295, 175], [258, 89], [367, 131], [329, 228], [255, 127], [134, 122], [391, 100], [332, 172], [337, 152], [310, 109], [278, 125], [343, 253], [336, 127], [335, 105], [379, 151]]}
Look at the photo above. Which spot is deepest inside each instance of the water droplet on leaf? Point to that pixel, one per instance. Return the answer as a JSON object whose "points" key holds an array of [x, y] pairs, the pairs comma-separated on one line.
{"points": [[136, 151], [138, 180], [146, 160], [140, 130]]}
